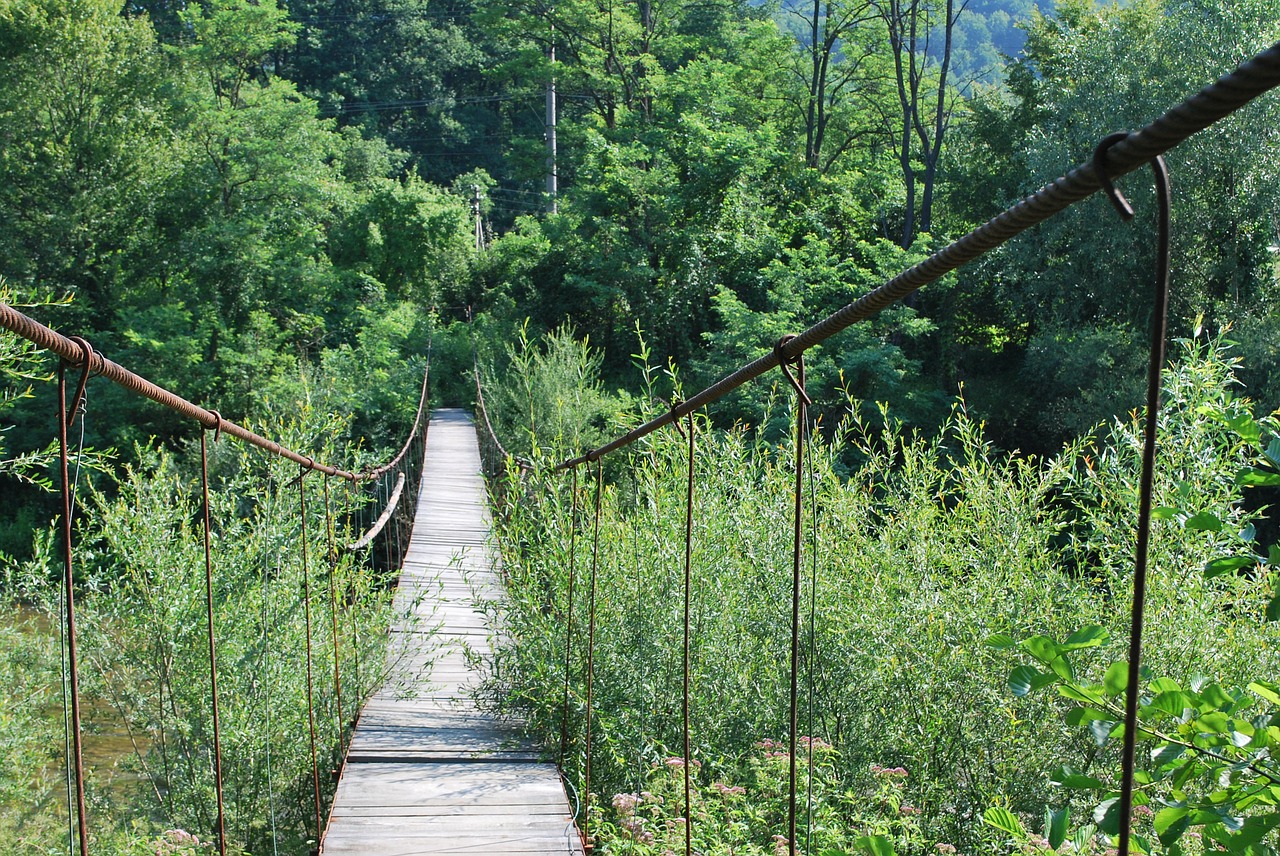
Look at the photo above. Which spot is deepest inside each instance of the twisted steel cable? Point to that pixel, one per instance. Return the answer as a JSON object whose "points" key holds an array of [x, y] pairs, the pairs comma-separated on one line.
{"points": [[71, 349]]}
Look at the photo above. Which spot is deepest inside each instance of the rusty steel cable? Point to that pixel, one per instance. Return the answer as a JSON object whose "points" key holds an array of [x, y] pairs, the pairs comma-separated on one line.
{"points": [[73, 667], [266, 691], [1159, 324], [568, 631], [587, 843], [213, 650], [484, 413], [813, 628], [688, 588], [803, 401], [76, 352], [1216, 101], [332, 547], [423, 398], [306, 611], [355, 629]]}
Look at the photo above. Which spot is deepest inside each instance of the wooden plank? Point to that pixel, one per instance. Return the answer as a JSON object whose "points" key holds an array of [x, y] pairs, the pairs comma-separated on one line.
{"points": [[428, 771]]}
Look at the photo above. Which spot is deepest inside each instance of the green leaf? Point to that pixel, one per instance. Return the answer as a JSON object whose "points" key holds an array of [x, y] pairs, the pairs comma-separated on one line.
{"points": [[876, 845], [1107, 816], [1056, 823], [1267, 691], [1042, 648], [1272, 452], [1086, 637], [1085, 715], [1171, 703], [1023, 679], [1205, 522], [1080, 782], [1004, 820], [1165, 512], [1254, 477], [1170, 823], [1166, 753], [1227, 564], [1001, 641], [1101, 731], [1080, 841], [1086, 695], [1245, 426], [1273, 607], [1116, 680]]}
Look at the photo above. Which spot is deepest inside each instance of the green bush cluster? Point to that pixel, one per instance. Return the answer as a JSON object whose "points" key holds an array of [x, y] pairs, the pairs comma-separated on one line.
{"points": [[924, 548], [145, 658]]}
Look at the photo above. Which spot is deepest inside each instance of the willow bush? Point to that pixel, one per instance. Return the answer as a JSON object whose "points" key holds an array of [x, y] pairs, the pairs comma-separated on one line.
{"points": [[145, 656], [925, 547]]}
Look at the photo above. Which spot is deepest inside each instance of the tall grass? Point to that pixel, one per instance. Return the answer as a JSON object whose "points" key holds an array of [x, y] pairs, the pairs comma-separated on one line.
{"points": [[924, 547]]}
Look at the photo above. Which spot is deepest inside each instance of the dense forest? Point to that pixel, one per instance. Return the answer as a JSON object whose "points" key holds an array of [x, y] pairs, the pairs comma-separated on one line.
{"points": [[284, 210]]}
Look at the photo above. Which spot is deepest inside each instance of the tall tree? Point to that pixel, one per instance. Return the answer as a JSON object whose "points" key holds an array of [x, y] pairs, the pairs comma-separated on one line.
{"points": [[925, 103]]}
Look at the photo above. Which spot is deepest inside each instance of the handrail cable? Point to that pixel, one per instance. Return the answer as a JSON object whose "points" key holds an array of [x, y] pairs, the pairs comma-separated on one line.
{"points": [[368, 537], [74, 354], [1216, 101]]}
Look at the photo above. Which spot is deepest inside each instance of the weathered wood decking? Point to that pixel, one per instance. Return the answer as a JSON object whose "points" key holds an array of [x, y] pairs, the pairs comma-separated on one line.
{"points": [[429, 772]]}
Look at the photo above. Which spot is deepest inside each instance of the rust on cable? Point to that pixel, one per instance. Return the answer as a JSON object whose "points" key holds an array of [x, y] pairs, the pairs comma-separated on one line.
{"points": [[76, 352], [216, 427], [1216, 101]]}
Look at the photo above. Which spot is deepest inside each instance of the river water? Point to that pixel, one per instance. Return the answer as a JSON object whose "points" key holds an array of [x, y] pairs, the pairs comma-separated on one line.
{"points": [[106, 743]]}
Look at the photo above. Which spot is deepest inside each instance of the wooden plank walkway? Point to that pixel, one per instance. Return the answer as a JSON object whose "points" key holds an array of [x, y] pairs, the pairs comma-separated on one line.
{"points": [[428, 772]]}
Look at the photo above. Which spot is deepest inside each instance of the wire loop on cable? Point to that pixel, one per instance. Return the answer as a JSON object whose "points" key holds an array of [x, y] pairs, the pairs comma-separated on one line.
{"points": [[86, 368], [784, 363], [1113, 194], [216, 427]]}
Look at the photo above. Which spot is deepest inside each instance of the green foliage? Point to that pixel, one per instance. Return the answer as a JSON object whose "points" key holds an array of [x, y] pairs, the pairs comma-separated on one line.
{"points": [[552, 400], [929, 548]]}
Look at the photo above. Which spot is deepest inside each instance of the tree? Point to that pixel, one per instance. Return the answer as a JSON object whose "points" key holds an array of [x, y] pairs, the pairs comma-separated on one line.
{"points": [[80, 156], [924, 101]]}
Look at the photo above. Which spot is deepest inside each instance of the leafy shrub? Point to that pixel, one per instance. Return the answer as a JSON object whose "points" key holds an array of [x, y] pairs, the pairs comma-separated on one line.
{"points": [[927, 548]]}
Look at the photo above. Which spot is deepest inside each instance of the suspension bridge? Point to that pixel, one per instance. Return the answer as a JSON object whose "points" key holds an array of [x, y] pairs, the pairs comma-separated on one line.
{"points": [[427, 769]]}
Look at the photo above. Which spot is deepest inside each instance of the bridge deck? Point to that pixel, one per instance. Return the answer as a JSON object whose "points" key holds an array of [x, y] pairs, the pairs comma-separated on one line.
{"points": [[428, 772]]}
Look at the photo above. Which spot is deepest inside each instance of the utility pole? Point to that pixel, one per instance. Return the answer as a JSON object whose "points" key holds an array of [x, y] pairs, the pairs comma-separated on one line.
{"points": [[475, 212], [552, 185]]}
